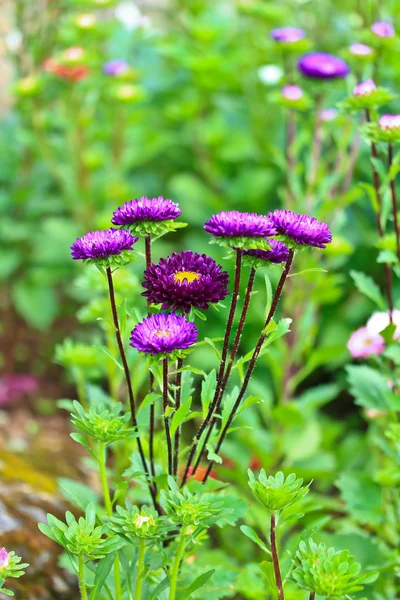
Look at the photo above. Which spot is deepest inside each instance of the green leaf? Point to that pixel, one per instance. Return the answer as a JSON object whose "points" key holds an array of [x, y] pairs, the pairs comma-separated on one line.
{"points": [[210, 342], [163, 585], [197, 584], [211, 455], [180, 415], [35, 303], [363, 497], [103, 569], [307, 271], [79, 494], [148, 400], [368, 387], [208, 390], [250, 533], [368, 287], [108, 353]]}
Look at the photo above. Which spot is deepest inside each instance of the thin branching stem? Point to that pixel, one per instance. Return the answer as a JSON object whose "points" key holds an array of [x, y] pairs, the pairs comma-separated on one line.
{"points": [[275, 558], [166, 417]]}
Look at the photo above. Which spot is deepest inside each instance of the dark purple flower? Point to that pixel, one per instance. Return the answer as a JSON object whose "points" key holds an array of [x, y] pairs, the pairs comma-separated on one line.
{"points": [[301, 229], [116, 67], [358, 49], [292, 92], [319, 65], [102, 244], [146, 209], [184, 280], [239, 224], [279, 252], [4, 558], [364, 88], [383, 29], [287, 35], [163, 334]]}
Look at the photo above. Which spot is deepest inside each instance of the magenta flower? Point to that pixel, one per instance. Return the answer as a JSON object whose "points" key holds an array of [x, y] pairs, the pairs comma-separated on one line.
{"points": [[319, 65], [279, 252], [163, 334], [389, 121], [4, 558], [363, 344], [239, 224], [328, 114], [383, 29], [358, 49], [364, 88], [185, 280], [102, 244], [301, 229], [116, 67], [292, 92], [287, 35], [146, 209]]}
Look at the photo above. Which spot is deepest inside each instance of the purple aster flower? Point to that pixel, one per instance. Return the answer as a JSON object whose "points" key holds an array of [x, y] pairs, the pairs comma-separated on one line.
{"points": [[146, 209], [184, 280], [301, 229], [279, 252], [364, 88], [389, 121], [363, 343], [383, 29], [319, 65], [292, 92], [239, 224], [4, 558], [163, 334], [358, 49], [328, 114], [116, 67], [287, 35], [102, 244]]}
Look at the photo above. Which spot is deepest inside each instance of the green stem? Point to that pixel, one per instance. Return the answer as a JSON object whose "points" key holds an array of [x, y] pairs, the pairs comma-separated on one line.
{"points": [[82, 586], [177, 564], [140, 570], [108, 505]]}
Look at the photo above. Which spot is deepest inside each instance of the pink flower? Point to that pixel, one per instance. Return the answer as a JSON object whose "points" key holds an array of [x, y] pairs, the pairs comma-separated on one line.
{"points": [[292, 92], [363, 344], [389, 121], [364, 88], [380, 320], [4, 558], [358, 49]]}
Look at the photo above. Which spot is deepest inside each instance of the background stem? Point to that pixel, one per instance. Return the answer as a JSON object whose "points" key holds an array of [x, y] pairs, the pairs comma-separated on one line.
{"points": [[394, 201], [275, 558], [177, 563], [140, 569], [166, 418], [81, 575], [179, 365]]}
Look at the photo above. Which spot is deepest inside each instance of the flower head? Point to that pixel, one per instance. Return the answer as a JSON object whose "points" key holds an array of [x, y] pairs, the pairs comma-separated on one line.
{"points": [[389, 121], [381, 320], [287, 35], [319, 65], [301, 229], [4, 558], [233, 223], [364, 88], [383, 29], [292, 92], [163, 334], [116, 67], [362, 343], [358, 49], [328, 114], [102, 244], [184, 280], [148, 215], [279, 253]]}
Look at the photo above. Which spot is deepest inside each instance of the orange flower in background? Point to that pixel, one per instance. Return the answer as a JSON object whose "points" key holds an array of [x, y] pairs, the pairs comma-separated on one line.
{"points": [[200, 473], [73, 72]]}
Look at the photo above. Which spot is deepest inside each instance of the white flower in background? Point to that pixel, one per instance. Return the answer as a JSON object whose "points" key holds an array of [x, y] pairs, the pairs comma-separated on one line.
{"points": [[130, 16], [13, 40], [270, 74], [380, 320]]}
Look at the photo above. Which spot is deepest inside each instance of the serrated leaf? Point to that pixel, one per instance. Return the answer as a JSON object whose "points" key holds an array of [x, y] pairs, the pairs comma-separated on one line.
{"points": [[366, 285]]}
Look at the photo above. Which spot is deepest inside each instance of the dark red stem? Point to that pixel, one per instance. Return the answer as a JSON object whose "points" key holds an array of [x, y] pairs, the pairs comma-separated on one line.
{"points": [[179, 365], [394, 201], [166, 418], [275, 558]]}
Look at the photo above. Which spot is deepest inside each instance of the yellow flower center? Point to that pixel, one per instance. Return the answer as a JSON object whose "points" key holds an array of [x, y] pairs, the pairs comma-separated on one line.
{"points": [[189, 276], [162, 333]]}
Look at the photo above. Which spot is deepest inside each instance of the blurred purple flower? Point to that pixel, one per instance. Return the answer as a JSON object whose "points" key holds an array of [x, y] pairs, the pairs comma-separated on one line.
{"points": [[279, 252], [146, 209], [389, 121], [14, 386], [292, 92], [163, 334], [319, 65], [287, 35], [102, 244], [118, 66], [383, 29], [4, 558], [183, 280], [358, 49], [328, 114], [364, 88], [362, 343], [239, 224], [301, 229]]}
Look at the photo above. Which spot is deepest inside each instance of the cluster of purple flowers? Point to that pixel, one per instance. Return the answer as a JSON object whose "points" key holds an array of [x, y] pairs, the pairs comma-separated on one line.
{"points": [[187, 279]]}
